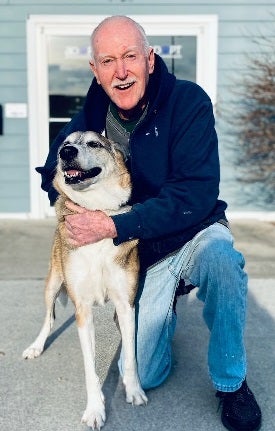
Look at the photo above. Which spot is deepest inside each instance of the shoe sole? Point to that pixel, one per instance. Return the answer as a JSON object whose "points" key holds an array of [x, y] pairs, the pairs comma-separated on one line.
{"points": [[227, 425]]}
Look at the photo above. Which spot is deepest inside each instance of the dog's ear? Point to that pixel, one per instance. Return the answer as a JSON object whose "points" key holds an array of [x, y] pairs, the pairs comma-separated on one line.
{"points": [[116, 146], [122, 148]]}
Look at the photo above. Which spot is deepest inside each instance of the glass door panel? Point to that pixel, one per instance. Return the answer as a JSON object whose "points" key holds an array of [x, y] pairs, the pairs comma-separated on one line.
{"points": [[69, 78]]}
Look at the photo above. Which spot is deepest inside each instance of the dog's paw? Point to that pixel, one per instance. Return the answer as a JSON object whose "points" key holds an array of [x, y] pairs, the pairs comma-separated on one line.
{"points": [[94, 415], [32, 352], [136, 397], [94, 418]]}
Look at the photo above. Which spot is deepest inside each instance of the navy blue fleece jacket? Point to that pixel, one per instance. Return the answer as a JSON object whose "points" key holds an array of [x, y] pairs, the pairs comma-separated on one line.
{"points": [[174, 164]]}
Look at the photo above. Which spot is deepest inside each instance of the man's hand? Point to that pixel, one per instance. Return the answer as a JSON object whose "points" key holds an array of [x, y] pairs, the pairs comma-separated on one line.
{"points": [[87, 227]]}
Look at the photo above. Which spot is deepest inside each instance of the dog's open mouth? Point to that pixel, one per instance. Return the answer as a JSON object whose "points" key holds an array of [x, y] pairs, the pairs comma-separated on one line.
{"points": [[75, 176]]}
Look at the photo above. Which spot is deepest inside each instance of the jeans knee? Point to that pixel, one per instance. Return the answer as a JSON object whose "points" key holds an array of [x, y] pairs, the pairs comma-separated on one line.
{"points": [[221, 254], [217, 264], [151, 377]]}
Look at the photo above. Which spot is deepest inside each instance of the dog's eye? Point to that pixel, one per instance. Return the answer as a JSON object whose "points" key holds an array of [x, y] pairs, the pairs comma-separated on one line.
{"points": [[94, 144]]}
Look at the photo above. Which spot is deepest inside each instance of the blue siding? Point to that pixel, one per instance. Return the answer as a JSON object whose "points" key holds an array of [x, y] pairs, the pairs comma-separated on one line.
{"points": [[239, 22]]}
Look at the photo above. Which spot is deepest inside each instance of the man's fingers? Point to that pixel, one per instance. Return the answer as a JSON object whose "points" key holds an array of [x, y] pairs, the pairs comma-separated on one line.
{"points": [[74, 207], [88, 227]]}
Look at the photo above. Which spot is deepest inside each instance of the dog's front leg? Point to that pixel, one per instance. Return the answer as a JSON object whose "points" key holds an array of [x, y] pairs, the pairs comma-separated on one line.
{"points": [[94, 415], [126, 317], [52, 289]]}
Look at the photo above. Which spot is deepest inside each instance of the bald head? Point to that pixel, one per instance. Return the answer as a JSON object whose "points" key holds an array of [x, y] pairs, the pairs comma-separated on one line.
{"points": [[115, 24]]}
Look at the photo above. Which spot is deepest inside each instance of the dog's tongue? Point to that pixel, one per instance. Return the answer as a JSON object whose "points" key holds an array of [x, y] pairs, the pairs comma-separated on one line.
{"points": [[73, 172]]}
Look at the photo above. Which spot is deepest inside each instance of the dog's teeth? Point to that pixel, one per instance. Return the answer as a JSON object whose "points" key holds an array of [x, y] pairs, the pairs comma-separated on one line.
{"points": [[72, 174]]}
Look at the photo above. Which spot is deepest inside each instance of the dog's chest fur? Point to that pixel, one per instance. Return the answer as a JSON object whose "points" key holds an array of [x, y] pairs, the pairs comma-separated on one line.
{"points": [[92, 271]]}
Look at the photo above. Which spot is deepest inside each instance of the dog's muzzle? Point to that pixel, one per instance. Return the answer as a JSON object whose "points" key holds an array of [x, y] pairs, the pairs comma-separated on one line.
{"points": [[72, 172]]}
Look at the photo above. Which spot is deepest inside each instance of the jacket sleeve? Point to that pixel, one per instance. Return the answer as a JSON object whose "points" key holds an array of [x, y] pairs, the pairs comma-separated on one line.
{"points": [[190, 192]]}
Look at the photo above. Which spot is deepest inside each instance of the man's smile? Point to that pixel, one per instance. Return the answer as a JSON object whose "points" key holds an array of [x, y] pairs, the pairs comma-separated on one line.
{"points": [[124, 86]]}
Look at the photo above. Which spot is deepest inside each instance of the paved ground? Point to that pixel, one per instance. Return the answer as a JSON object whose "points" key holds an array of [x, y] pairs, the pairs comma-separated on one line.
{"points": [[49, 393]]}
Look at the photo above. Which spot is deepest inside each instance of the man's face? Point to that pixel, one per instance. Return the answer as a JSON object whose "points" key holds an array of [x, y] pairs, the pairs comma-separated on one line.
{"points": [[121, 65]]}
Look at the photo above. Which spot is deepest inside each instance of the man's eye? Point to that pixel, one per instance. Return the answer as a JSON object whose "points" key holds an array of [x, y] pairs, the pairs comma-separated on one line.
{"points": [[107, 61], [130, 57]]}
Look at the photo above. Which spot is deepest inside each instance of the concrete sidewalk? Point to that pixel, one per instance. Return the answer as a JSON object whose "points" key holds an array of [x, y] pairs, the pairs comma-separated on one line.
{"points": [[49, 392]]}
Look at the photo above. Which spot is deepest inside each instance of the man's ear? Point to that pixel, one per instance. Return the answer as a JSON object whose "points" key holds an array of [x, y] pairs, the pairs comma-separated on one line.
{"points": [[93, 69], [151, 60]]}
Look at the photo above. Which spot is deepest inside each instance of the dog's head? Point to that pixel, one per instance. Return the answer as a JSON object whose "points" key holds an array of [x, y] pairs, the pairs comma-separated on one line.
{"points": [[85, 158]]}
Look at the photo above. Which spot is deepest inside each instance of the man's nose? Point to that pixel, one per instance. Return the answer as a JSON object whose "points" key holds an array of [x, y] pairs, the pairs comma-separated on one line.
{"points": [[121, 69]]}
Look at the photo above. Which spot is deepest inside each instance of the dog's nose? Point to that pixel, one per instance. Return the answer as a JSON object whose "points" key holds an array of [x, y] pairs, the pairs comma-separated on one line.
{"points": [[68, 153]]}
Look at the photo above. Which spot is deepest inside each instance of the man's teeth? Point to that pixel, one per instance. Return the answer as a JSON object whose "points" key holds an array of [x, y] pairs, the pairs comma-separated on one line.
{"points": [[123, 86]]}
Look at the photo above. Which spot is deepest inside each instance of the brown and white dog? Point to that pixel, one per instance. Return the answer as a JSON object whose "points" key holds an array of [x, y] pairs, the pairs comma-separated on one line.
{"points": [[91, 172]]}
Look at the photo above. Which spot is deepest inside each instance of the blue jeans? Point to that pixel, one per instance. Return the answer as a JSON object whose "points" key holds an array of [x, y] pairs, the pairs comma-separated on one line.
{"points": [[209, 262]]}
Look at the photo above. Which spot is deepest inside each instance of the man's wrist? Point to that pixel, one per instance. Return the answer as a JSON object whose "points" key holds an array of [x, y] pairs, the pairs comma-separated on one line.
{"points": [[112, 229]]}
